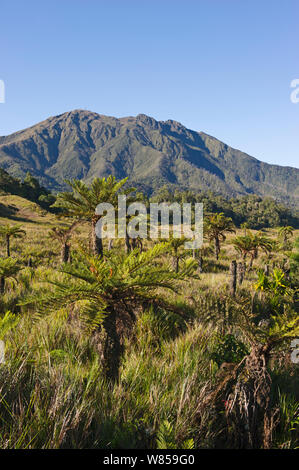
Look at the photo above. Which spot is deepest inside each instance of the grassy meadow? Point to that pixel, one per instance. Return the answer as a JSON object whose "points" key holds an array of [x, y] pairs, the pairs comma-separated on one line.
{"points": [[201, 363]]}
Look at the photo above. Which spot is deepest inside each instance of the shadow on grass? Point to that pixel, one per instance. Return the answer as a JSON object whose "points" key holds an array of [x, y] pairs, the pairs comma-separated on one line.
{"points": [[10, 212]]}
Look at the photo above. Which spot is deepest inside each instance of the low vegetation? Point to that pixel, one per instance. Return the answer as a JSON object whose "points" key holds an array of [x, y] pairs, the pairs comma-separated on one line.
{"points": [[149, 347]]}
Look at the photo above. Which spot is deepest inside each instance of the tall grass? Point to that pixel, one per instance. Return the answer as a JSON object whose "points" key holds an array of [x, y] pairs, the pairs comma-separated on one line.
{"points": [[53, 391]]}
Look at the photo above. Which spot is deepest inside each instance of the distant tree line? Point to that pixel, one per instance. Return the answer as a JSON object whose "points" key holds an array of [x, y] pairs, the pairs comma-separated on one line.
{"points": [[29, 189], [255, 211]]}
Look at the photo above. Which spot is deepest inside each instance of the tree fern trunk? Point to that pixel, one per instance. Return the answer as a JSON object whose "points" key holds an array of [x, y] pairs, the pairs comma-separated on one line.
{"points": [[140, 245], [65, 253], [200, 262], [2, 284], [217, 248], [96, 242], [127, 244], [240, 273], [8, 245], [134, 243], [251, 411], [233, 278], [110, 348], [175, 263]]}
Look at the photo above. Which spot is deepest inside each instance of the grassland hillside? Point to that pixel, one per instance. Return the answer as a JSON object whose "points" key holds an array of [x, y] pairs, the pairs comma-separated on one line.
{"points": [[151, 346]]}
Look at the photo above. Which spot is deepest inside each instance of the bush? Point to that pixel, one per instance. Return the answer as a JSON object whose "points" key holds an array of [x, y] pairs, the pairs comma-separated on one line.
{"points": [[228, 349]]}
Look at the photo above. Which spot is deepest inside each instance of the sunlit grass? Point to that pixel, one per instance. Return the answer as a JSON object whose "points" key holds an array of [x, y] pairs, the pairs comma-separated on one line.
{"points": [[53, 391]]}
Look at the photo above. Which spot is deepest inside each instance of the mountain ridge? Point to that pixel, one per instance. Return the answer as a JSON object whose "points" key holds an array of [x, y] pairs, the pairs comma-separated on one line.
{"points": [[82, 144]]}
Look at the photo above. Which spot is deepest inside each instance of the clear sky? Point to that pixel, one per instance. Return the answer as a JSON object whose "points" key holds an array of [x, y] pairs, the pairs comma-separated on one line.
{"points": [[219, 66]]}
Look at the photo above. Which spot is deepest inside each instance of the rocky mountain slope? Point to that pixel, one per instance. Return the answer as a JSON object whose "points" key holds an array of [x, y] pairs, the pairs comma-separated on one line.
{"points": [[82, 144]]}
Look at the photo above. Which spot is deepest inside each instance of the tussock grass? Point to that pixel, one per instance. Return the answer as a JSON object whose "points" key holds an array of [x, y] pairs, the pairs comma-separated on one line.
{"points": [[53, 391]]}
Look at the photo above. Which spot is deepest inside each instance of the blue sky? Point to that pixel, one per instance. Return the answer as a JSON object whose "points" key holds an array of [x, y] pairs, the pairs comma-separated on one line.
{"points": [[219, 66]]}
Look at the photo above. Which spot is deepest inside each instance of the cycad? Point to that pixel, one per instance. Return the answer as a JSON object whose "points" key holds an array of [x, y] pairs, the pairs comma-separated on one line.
{"points": [[248, 245], [216, 227], [11, 231], [285, 233], [175, 245], [248, 403], [63, 235], [8, 269], [82, 202], [132, 243], [110, 291]]}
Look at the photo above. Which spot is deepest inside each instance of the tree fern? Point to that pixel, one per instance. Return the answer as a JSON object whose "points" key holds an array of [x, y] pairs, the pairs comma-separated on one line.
{"points": [[110, 290]]}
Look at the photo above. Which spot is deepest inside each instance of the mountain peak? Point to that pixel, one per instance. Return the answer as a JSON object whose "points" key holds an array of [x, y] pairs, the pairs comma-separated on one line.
{"points": [[147, 120], [83, 144]]}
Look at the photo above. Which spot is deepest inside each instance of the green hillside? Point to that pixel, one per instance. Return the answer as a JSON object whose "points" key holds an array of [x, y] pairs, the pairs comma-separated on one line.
{"points": [[82, 144]]}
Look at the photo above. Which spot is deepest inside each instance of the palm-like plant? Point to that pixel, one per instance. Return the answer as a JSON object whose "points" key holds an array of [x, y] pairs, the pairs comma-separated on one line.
{"points": [[245, 226], [132, 243], [109, 292], [63, 235], [243, 245], [215, 228], [284, 234], [11, 231], [175, 245], [253, 386], [8, 269], [82, 202], [248, 245], [248, 389]]}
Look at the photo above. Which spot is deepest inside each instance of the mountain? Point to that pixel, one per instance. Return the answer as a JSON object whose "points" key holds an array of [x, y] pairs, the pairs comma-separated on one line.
{"points": [[82, 144]]}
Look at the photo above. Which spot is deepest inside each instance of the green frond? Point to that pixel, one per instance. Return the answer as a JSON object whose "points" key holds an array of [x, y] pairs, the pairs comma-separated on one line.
{"points": [[8, 322]]}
